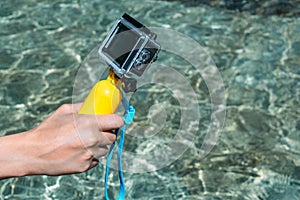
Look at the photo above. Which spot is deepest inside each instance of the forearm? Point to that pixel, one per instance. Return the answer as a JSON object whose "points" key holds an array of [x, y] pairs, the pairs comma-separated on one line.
{"points": [[15, 156]]}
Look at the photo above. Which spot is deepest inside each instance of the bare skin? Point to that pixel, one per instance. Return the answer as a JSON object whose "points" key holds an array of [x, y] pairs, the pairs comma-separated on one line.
{"points": [[65, 143]]}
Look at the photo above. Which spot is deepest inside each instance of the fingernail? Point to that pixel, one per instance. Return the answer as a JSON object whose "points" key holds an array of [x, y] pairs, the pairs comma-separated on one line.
{"points": [[118, 120]]}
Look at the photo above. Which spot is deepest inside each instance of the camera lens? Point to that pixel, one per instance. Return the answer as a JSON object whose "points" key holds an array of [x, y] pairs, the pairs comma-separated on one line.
{"points": [[145, 56]]}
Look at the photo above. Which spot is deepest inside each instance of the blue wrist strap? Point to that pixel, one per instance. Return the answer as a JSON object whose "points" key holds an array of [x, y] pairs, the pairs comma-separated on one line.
{"points": [[128, 117]]}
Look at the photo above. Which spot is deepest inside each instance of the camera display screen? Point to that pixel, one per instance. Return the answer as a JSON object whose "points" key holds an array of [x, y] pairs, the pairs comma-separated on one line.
{"points": [[121, 44]]}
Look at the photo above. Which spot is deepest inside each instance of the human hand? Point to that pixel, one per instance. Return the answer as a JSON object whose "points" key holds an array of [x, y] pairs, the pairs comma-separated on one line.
{"points": [[67, 142]]}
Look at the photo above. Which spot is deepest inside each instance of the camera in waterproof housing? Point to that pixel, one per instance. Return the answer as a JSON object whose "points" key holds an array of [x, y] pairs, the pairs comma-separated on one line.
{"points": [[129, 48]]}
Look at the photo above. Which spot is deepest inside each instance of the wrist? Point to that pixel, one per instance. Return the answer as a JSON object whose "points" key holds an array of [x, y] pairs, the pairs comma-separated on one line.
{"points": [[16, 158]]}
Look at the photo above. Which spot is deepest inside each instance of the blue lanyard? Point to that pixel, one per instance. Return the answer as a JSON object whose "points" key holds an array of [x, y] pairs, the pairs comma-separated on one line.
{"points": [[128, 117]]}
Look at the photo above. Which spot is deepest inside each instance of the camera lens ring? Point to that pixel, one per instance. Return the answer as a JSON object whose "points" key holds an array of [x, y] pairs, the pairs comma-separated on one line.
{"points": [[145, 56]]}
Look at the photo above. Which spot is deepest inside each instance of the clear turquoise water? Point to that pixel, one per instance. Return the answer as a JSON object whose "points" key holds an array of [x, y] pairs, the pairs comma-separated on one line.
{"points": [[256, 51]]}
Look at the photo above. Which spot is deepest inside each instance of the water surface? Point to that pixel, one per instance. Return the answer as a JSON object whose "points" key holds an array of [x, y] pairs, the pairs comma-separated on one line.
{"points": [[256, 50]]}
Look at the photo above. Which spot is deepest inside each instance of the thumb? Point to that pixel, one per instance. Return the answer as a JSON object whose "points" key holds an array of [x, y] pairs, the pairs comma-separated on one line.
{"points": [[76, 107]]}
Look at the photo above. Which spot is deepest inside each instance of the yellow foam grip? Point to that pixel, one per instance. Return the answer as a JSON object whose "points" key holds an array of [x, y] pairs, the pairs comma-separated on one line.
{"points": [[104, 98]]}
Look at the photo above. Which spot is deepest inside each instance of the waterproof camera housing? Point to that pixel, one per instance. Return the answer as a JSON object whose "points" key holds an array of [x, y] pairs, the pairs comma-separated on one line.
{"points": [[129, 48]]}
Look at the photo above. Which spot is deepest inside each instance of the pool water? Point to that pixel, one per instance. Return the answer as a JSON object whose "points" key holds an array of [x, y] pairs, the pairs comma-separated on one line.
{"points": [[256, 48]]}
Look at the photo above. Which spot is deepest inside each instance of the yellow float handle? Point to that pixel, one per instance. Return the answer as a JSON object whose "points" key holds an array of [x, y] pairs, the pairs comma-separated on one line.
{"points": [[104, 98]]}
